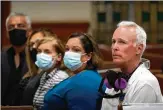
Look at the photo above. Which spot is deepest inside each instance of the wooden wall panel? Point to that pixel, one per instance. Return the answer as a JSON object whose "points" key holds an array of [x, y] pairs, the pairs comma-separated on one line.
{"points": [[5, 10], [153, 23], [138, 9], [63, 30]]}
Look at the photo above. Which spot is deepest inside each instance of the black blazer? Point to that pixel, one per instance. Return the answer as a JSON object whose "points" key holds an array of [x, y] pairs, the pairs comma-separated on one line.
{"points": [[8, 68], [30, 89]]}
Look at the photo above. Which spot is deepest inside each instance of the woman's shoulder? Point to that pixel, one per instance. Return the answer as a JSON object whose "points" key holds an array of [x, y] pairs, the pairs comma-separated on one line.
{"points": [[23, 82], [62, 74], [35, 79], [91, 71], [61, 88], [33, 82], [88, 72]]}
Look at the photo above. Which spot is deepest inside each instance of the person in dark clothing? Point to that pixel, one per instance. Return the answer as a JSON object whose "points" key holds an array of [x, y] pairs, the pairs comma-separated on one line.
{"points": [[27, 92], [13, 63]]}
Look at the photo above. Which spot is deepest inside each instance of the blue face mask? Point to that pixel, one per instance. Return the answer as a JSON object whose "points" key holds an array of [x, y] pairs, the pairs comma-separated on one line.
{"points": [[72, 60], [44, 61]]}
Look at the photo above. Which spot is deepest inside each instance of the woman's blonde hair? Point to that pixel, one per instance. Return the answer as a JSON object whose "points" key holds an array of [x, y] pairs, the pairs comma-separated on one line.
{"points": [[58, 46], [33, 70]]}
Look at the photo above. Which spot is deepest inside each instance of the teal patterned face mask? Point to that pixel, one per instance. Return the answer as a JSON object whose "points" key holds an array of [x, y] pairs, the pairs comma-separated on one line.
{"points": [[72, 60], [44, 61]]}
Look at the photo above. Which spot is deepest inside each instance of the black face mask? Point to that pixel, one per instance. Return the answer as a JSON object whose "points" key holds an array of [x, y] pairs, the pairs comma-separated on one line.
{"points": [[18, 37], [33, 54]]}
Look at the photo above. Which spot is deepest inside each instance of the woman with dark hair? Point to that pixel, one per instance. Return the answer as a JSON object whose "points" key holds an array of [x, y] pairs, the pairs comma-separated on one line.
{"points": [[79, 92]]}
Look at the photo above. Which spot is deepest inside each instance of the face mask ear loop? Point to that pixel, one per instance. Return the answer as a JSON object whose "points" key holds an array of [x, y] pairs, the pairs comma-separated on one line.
{"points": [[84, 62], [87, 60], [55, 57]]}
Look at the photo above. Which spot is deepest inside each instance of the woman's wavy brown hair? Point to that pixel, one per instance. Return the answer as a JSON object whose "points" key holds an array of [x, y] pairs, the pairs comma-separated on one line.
{"points": [[33, 70]]}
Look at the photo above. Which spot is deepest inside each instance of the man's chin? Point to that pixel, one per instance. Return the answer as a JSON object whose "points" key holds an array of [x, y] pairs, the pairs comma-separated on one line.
{"points": [[117, 62]]}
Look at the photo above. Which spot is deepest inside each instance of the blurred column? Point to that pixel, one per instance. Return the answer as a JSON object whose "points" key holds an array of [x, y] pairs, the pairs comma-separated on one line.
{"points": [[131, 14]]}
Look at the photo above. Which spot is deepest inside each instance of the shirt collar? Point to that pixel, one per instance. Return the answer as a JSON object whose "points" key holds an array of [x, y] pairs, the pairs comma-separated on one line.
{"points": [[51, 74], [145, 63], [12, 52]]}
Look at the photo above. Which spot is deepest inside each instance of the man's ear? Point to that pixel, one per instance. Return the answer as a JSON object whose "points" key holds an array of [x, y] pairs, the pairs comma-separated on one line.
{"points": [[139, 49]]}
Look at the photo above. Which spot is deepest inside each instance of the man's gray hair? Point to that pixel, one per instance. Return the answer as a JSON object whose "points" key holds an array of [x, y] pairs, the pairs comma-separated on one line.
{"points": [[141, 35], [28, 20]]}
